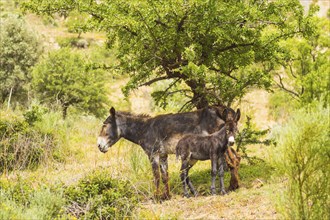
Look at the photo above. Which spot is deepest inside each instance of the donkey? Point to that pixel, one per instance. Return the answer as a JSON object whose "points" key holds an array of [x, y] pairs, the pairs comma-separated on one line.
{"points": [[233, 160], [194, 147], [159, 135]]}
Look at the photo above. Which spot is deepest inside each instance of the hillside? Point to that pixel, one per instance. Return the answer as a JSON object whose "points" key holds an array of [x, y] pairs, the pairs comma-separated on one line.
{"points": [[46, 191]]}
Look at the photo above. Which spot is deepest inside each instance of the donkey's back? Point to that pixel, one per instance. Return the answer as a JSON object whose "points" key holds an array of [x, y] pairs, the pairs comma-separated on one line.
{"points": [[196, 146], [167, 130]]}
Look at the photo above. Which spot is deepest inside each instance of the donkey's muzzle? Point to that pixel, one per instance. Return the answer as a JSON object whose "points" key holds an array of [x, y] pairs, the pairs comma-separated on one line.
{"points": [[231, 141], [103, 149], [100, 148]]}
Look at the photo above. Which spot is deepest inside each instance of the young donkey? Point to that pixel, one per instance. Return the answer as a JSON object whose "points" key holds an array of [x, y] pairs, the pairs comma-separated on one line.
{"points": [[194, 147]]}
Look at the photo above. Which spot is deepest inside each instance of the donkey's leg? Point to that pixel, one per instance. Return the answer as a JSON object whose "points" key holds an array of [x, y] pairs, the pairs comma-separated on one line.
{"points": [[165, 178], [213, 173], [184, 176], [221, 163], [190, 185], [154, 160]]}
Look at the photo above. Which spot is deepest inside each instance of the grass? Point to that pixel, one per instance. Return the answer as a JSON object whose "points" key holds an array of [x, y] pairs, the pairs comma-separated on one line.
{"points": [[128, 162], [243, 204]]}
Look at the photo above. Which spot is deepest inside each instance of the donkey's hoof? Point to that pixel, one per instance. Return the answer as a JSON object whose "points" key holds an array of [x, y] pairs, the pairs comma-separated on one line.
{"points": [[213, 192], [223, 192], [186, 195], [165, 196]]}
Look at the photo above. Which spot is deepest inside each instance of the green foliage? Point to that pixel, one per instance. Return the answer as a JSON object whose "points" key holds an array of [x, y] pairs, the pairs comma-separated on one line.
{"points": [[98, 196], [20, 49], [302, 158], [64, 77], [34, 113], [217, 50], [20, 200], [251, 135], [24, 141], [77, 22], [306, 65], [164, 102]]}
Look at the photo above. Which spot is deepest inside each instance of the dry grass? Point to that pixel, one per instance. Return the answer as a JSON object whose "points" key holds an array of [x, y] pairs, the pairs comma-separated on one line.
{"points": [[255, 104], [243, 204]]}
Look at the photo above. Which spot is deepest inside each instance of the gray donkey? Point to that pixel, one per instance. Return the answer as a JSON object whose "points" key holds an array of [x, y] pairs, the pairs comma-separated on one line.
{"points": [[159, 135], [194, 147]]}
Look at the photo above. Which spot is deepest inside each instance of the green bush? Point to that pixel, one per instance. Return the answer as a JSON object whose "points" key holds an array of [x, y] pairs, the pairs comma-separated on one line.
{"points": [[19, 200], [20, 49], [25, 143], [34, 114], [302, 159], [65, 77], [98, 196], [250, 135]]}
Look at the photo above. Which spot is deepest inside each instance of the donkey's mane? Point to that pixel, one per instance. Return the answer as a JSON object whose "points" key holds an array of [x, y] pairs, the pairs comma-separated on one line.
{"points": [[129, 114]]}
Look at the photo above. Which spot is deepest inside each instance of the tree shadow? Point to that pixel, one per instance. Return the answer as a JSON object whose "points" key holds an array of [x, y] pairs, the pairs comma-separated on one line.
{"points": [[201, 178]]}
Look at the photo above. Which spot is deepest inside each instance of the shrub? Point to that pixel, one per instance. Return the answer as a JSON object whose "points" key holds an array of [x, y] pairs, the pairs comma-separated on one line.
{"points": [[65, 78], [20, 49], [98, 196], [302, 157], [250, 135], [25, 143], [19, 200]]}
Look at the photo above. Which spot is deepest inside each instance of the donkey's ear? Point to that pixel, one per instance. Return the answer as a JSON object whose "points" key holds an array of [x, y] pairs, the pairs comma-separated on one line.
{"points": [[238, 114], [112, 111], [225, 114]]}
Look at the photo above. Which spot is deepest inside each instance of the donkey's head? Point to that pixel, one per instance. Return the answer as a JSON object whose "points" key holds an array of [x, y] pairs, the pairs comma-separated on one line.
{"points": [[231, 125], [110, 132]]}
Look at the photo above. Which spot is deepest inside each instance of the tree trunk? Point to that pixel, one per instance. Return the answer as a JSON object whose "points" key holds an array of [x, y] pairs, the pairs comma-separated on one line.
{"points": [[64, 111], [199, 99], [9, 99]]}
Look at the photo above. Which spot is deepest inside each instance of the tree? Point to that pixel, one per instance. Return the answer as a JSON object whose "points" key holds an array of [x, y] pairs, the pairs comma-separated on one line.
{"points": [[210, 51], [64, 77], [304, 66], [20, 49]]}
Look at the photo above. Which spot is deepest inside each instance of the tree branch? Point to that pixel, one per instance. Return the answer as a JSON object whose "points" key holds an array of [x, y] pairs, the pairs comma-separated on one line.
{"points": [[225, 73], [281, 86], [282, 36], [130, 31], [190, 102], [158, 21], [180, 24], [291, 70]]}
